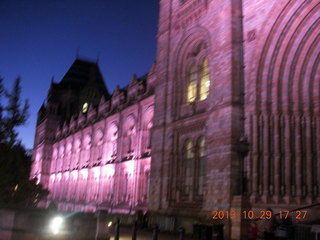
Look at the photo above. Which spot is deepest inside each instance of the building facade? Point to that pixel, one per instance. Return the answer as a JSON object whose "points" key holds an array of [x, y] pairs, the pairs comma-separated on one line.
{"points": [[233, 119]]}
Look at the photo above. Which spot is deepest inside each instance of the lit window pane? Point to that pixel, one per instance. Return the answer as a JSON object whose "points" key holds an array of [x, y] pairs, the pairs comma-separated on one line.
{"points": [[205, 81], [189, 152], [192, 86], [202, 149]]}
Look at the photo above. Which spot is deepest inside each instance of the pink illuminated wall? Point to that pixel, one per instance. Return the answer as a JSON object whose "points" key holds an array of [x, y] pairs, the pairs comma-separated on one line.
{"points": [[105, 165]]}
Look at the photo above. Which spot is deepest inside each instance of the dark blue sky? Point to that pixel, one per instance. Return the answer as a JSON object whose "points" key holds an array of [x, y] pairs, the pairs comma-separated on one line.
{"points": [[39, 39]]}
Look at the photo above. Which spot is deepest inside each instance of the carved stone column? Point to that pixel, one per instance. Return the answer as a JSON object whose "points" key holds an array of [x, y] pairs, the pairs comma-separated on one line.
{"points": [[309, 170], [288, 157], [317, 120], [266, 157], [298, 158], [277, 168], [255, 142]]}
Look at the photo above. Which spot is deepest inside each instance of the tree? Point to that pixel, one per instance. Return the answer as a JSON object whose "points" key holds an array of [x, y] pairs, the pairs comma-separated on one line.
{"points": [[13, 115], [1, 110], [16, 189]]}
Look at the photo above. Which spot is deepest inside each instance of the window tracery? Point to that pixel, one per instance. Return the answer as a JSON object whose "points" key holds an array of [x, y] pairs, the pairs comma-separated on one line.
{"points": [[189, 162], [194, 166], [198, 85], [201, 149]]}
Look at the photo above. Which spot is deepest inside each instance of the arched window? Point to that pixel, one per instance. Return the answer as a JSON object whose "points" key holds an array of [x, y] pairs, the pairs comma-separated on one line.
{"points": [[201, 145], [130, 134], [198, 81], [204, 81], [98, 151], [113, 138], [189, 162], [147, 126]]}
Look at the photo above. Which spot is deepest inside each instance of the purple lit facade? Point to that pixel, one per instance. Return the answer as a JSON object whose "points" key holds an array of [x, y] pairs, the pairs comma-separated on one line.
{"points": [[232, 103], [99, 159]]}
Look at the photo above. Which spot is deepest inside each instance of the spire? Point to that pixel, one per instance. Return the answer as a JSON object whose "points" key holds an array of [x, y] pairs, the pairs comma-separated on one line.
{"points": [[133, 80], [98, 57]]}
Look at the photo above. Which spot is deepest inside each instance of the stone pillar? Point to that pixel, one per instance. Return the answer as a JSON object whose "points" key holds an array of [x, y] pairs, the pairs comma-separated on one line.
{"points": [[287, 168], [317, 120], [265, 158], [309, 170], [255, 142], [237, 223], [277, 158], [298, 157]]}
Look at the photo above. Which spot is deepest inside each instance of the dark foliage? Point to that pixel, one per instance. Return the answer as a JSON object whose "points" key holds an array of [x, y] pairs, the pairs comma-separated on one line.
{"points": [[16, 189], [13, 115]]}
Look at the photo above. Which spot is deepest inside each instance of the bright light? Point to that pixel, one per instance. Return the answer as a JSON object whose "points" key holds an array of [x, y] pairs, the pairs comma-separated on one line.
{"points": [[109, 224], [84, 173], [96, 172], [74, 174], [130, 167], [56, 225], [108, 170], [85, 107]]}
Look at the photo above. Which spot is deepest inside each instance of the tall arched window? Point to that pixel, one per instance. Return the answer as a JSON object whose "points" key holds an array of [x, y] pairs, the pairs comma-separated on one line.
{"points": [[201, 145], [204, 81], [198, 81], [113, 136], [98, 151], [130, 135], [189, 162]]}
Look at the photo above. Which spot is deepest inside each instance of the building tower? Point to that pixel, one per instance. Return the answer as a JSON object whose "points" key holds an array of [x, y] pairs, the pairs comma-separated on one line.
{"points": [[81, 87], [198, 130], [236, 123]]}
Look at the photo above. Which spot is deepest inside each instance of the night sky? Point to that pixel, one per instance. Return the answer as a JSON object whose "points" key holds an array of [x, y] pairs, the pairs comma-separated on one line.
{"points": [[39, 40]]}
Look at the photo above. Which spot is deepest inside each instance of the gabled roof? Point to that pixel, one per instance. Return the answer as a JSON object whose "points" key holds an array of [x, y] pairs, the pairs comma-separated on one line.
{"points": [[81, 73]]}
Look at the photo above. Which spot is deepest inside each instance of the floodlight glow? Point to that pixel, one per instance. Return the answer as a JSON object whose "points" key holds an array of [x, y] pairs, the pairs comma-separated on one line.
{"points": [[56, 225], [109, 224]]}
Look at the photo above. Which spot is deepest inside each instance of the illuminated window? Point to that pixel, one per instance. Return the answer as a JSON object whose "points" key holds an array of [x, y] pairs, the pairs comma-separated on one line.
{"points": [[192, 86], [85, 107], [189, 159], [198, 82], [204, 81]]}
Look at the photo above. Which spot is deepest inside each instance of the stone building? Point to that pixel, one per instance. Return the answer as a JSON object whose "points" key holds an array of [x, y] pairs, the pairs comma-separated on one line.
{"points": [[232, 103], [92, 149]]}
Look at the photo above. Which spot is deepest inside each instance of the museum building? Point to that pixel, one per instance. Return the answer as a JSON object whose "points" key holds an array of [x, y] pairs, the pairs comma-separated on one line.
{"points": [[228, 118]]}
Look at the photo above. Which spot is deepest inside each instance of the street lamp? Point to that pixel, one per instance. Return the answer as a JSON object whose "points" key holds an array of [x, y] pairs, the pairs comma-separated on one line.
{"points": [[56, 225]]}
